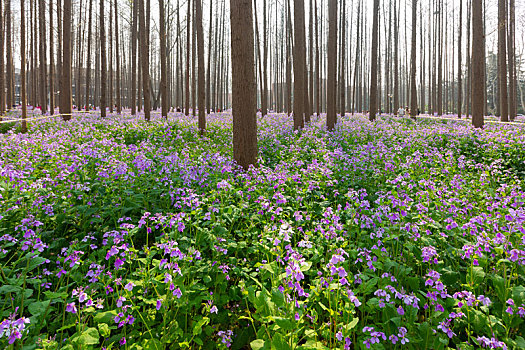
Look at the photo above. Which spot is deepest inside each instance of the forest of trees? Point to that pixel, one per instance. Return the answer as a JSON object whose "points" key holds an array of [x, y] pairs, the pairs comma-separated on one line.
{"points": [[309, 57]]}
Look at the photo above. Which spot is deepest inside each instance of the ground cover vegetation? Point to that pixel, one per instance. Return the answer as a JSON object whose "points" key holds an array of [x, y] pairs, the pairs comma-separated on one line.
{"points": [[393, 234]]}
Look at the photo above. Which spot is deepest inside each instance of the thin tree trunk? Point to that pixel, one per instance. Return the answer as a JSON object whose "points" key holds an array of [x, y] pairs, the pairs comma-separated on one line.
{"points": [[117, 55], [103, 64], [65, 83], [51, 62], [460, 32], [502, 60], [373, 69], [208, 71], [134, 69], [144, 58], [163, 60], [512, 60], [23, 64], [2, 63], [9, 48], [188, 57], [413, 87]]}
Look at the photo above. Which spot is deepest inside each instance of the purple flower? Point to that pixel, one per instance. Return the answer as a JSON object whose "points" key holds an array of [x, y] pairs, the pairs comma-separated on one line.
{"points": [[159, 304], [129, 286], [71, 308]]}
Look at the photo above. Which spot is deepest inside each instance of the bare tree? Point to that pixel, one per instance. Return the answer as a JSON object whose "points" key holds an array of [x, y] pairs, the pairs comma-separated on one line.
{"points": [[2, 64], [51, 62], [331, 98], [243, 84]]}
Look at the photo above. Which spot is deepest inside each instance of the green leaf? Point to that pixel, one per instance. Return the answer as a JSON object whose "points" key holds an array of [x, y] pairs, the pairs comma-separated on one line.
{"points": [[104, 330], [9, 289], [39, 307], [279, 343], [284, 323], [152, 344], [475, 275], [260, 344], [197, 329], [89, 337], [105, 317]]}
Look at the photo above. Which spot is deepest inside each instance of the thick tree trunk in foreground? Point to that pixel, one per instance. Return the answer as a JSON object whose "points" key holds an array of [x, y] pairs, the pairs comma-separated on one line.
{"points": [[478, 66], [331, 99], [243, 84], [299, 58]]}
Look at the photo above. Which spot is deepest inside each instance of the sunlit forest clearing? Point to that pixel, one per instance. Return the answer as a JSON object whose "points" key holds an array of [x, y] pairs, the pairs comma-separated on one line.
{"points": [[262, 174]]}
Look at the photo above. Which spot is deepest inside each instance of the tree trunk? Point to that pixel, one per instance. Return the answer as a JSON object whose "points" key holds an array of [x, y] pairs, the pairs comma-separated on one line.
{"points": [[200, 56], [478, 67], [117, 55], [413, 87], [23, 102], [144, 58], [331, 99], [51, 62], [243, 84], [299, 65], [103, 63], [2, 64], [188, 57], [9, 48], [460, 32], [133, 73], [163, 60], [208, 71], [65, 82], [512, 60], [502, 60], [373, 68]]}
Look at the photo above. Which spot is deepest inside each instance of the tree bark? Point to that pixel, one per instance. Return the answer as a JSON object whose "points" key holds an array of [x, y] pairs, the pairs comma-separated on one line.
{"points": [[478, 67], [2, 64], [502, 60], [23, 65], [201, 69], [373, 68], [144, 58], [163, 60], [117, 55], [413, 87], [299, 65], [51, 62], [460, 32], [331, 99], [65, 82], [243, 84], [103, 63]]}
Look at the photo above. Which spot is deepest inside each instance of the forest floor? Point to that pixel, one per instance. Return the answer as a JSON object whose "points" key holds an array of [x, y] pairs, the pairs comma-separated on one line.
{"points": [[118, 232]]}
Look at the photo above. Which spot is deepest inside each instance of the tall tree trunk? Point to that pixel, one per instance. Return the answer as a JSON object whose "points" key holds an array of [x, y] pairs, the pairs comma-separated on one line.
{"points": [[396, 58], [193, 62], [243, 84], [264, 95], [413, 87], [23, 64], [299, 65], [512, 60], [188, 57], [88, 65], [468, 109], [342, 83], [478, 67], [65, 82], [51, 61], [144, 58], [117, 55], [208, 70], [317, 64], [460, 32], [502, 60], [134, 56], [2, 63], [110, 61], [103, 63], [200, 56], [373, 68], [331, 99], [9, 48], [163, 60]]}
